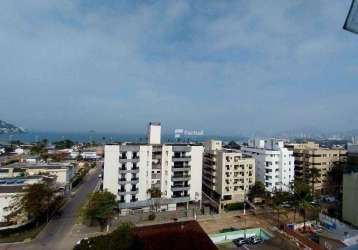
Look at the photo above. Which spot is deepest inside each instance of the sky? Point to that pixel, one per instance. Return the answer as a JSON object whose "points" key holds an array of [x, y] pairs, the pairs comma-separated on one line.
{"points": [[225, 67]]}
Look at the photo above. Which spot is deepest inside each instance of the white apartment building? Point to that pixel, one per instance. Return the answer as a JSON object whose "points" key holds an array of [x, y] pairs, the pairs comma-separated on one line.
{"points": [[227, 175], [274, 163], [130, 170]]}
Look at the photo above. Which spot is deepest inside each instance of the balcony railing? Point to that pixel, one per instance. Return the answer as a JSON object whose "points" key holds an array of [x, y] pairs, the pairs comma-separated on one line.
{"points": [[181, 177], [148, 203], [122, 191], [180, 188], [181, 158]]}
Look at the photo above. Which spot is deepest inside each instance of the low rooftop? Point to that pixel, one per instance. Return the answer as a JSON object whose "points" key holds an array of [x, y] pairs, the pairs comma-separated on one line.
{"points": [[39, 165], [175, 236]]}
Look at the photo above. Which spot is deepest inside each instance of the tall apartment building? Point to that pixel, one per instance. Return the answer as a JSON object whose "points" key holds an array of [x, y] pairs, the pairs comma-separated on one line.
{"points": [[350, 197], [274, 163], [310, 155], [227, 175], [130, 170], [352, 153]]}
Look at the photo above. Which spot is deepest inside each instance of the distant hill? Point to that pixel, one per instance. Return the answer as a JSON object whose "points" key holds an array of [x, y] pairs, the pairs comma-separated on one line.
{"points": [[7, 128]]}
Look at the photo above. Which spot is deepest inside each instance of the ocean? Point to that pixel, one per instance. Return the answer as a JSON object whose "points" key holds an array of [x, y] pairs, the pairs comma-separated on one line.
{"points": [[97, 137]]}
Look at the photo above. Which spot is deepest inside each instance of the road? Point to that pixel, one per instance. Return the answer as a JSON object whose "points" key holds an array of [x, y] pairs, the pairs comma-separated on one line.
{"points": [[57, 234]]}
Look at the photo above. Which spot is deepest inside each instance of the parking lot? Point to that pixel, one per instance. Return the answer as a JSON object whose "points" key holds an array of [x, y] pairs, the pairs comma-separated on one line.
{"points": [[273, 244]]}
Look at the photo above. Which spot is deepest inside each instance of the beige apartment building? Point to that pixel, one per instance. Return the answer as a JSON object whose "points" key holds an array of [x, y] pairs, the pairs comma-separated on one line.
{"points": [[310, 155], [227, 175]]}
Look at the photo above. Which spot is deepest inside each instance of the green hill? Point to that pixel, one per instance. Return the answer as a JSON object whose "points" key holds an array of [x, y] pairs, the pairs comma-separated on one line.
{"points": [[9, 128]]}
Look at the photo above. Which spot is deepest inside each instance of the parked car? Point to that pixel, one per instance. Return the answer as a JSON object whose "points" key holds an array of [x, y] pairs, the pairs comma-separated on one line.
{"points": [[254, 240], [240, 241]]}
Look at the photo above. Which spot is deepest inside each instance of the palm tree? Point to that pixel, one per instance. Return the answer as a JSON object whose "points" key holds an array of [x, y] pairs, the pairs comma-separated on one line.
{"points": [[278, 200], [302, 198], [314, 174], [335, 178]]}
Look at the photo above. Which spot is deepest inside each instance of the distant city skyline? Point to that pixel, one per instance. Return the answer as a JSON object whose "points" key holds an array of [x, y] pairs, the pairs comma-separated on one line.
{"points": [[224, 67]]}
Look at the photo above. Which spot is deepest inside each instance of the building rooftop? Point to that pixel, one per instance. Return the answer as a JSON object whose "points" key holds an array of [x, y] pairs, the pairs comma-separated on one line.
{"points": [[17, 184], [339, 231], [147, 144], [175, 236], [38, 165], [154, 123]]}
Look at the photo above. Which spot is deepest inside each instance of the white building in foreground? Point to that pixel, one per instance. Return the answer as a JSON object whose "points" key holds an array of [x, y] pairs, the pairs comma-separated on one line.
{"points": [[11, 191], [130, 170], [274, 163]]}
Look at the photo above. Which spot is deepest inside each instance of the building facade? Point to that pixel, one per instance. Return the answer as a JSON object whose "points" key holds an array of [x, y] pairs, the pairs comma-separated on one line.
{"points": [[132, 170], [227, 175], [64, 172], [310, 155], [274, 163], [350, 198]]}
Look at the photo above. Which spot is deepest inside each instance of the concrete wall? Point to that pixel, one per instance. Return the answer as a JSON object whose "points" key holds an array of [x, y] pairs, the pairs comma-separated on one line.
{"points": [[111, 166], [196, 172]]}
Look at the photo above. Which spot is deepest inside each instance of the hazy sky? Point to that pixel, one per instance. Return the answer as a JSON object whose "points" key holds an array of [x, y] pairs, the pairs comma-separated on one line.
{"points": [[228, 67]]}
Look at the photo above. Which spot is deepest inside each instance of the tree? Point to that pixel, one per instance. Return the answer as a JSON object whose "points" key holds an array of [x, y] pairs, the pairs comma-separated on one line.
{"points": [[38, 149], [37, 200], [100, 207], [257, 190], [155, 195], [335, 178], [123, 238], [278, 200], [314, 174], [302, 198], [63, 144]]}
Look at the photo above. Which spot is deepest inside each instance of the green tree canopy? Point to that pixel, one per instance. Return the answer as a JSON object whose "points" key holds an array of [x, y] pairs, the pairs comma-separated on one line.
{"points": [[123, 238], [100, 207], [302, 198], [37, 200], [154, 192], [257, 190], [63, 144]]}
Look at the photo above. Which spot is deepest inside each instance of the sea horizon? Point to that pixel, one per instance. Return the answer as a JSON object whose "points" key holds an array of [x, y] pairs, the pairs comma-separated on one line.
{"points": [[106, 137]]}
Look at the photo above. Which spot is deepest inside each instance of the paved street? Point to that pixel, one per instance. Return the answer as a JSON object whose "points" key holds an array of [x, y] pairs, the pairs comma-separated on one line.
{"points": [[57, 234]]}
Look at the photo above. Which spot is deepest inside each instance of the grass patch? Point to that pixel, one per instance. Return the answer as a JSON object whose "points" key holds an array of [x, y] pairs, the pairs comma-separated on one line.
{"points": [[22, 235], [234, 206]]}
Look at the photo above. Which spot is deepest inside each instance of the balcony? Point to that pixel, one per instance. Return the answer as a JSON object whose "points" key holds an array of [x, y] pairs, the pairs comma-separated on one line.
{"points": [[181, 168], [122, 170], [124, 160], [134, 170], [180, 188], [125, 170], [134, 180], [156, 166], [148, 203], [122, 181], [156, 176], [181, 158], [122, 191], [182, 177]]}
